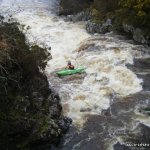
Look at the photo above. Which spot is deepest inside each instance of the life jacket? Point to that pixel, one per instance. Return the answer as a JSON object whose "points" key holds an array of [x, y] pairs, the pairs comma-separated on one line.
{"points": [[70, 67]]}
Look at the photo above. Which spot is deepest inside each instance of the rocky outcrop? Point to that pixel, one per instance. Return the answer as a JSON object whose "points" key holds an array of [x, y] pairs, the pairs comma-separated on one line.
{"points": [[100, 11], [81, 16], [91, 27], [30, 112], [99, 27], [138, 34]]}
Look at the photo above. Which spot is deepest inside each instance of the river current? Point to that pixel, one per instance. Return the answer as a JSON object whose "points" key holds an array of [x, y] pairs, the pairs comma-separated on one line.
{"points": [[107, 81]]}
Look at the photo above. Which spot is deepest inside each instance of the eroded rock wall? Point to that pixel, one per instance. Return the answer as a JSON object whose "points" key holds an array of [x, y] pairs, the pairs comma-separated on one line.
{"points": [[30, 112]]}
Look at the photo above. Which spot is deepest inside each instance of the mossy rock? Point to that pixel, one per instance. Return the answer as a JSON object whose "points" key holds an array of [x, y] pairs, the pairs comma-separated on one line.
{"points": [[29, 111]]}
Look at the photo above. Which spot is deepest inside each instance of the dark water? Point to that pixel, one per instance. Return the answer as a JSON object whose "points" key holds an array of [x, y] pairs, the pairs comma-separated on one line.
{"points": [[121, 124], [125, 121]]}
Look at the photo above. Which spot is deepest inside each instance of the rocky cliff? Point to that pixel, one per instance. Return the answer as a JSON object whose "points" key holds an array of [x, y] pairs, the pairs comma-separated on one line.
{"points": [[30, 112], [131, 17]]}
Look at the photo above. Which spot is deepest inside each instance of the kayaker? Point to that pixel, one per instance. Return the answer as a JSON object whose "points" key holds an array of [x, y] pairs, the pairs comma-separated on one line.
{"points": [[70, 66]]}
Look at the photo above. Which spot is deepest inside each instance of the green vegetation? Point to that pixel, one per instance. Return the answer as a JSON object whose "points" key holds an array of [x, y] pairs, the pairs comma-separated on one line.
{"points": [[73, 6], [135, 12], [29, 111], [104, 8], [131, 16]]}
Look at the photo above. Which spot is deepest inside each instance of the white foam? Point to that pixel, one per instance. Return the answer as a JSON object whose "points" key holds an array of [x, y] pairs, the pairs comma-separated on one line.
{"points": [[106, 70]]}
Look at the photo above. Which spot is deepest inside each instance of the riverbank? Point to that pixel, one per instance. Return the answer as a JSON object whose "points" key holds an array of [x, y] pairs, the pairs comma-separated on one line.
{"points": [[30, 111], [104, 17], [107, 104], [126, 122]]}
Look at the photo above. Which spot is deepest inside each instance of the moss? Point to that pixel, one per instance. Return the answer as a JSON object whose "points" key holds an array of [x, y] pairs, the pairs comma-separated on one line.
{"points": [[135, 13], [73, 6], [97, 21], [26, 102]]}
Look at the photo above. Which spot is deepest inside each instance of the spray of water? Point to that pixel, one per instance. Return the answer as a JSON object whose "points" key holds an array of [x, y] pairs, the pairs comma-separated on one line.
{"points": [[106, 73]]}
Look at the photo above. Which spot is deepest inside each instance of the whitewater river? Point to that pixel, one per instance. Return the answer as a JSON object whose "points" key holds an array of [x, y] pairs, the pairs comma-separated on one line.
{"points": [[104, 102]]}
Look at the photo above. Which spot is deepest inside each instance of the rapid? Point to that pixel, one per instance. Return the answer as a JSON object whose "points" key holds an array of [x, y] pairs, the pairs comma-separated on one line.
{"points": [[104, 56]]}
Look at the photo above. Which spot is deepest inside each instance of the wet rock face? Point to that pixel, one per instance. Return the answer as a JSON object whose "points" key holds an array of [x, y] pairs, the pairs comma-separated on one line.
{"points": [[91, 27], [99, 28], [81, 16], [30, 112], [142, 68], [72, 7], [139, 35]]}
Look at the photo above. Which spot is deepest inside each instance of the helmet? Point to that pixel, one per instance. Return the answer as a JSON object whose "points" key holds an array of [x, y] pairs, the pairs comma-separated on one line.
{"points": [[69, 62]]}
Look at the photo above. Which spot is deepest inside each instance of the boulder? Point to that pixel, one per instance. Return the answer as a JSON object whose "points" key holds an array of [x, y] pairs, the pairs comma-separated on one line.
{"points": [[99, 27], [81, 16], [139, 35]]}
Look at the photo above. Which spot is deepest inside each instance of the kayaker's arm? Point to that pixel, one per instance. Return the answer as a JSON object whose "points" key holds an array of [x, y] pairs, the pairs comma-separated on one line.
{"points": [[67, 67]]}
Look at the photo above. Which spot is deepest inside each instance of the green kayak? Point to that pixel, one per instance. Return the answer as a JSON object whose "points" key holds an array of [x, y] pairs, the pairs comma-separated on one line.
{"points": [[69, 71]]}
